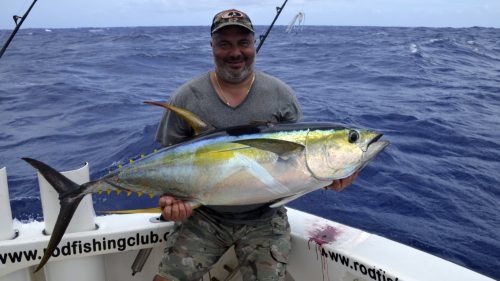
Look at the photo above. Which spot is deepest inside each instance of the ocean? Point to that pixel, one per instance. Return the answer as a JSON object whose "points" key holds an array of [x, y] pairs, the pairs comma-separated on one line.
{"points": [[70, 96]]}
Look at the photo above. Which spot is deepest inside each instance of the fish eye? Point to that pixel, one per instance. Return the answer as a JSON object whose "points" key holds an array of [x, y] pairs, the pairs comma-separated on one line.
{"points": [[353, 136]]}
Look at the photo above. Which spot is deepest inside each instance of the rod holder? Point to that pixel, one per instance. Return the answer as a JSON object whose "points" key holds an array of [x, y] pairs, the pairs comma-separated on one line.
{"points": [[7, 226]]}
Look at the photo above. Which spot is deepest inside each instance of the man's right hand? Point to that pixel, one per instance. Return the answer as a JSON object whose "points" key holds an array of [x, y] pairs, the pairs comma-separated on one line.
{"points": [[173, 209]]}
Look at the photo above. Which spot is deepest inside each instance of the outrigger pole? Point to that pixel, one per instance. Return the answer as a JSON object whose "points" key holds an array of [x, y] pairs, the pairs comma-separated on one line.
{"points": [[262, 38], [18, 25]]}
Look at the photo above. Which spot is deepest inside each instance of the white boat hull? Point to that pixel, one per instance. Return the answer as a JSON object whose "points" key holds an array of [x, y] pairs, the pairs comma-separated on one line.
{"points": [[321, 249]]}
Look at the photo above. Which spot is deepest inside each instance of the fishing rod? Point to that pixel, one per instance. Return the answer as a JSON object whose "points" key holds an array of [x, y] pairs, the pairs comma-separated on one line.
{"points": [[18, 25], [262, 38]]}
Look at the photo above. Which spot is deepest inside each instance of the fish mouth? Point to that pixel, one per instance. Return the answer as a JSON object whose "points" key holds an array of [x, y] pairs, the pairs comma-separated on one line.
{"points": [[374, 147], [375, 139]]}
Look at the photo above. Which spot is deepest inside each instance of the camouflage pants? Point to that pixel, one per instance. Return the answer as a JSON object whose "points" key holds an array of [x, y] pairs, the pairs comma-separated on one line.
{"points": [[200, 241]]}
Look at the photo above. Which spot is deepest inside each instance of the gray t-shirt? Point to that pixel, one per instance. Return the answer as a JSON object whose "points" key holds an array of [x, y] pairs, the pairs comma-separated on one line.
{"points": [[269, 100]]}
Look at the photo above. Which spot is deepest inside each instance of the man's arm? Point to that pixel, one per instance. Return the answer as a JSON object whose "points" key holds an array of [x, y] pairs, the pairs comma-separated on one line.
{"points": [[173, 209], [172, 130], [341, 184]]}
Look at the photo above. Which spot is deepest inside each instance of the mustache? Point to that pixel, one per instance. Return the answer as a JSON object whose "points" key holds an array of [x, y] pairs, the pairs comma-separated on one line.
{"points": [[238, 58], [233, 61]]}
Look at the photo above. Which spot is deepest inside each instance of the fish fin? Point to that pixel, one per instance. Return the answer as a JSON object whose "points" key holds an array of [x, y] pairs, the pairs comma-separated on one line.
{"points": [[193, 120], [280, 147], [70, 196], [154, 210], [285, 200], [134, 211]]}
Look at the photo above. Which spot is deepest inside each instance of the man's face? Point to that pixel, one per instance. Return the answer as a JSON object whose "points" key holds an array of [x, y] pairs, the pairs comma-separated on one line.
{"points": [[234, 53]]}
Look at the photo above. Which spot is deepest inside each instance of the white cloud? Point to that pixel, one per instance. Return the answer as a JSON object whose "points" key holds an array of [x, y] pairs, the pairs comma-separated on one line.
{"points": [[77, 13]]}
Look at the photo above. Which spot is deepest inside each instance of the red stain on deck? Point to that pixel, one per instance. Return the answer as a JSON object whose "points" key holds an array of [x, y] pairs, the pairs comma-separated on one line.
{"points": [[323, 235]]}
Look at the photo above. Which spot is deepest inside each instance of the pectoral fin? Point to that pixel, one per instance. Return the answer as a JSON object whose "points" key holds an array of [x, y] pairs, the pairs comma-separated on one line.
{"points": [[280, 147]]}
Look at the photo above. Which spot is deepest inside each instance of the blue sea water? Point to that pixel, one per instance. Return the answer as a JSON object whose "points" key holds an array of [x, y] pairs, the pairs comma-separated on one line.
{"points": [[68, 96]]}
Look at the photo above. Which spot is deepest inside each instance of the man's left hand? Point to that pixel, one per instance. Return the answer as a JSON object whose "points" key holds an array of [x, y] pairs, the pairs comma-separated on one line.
{"points": [[340, 184]]}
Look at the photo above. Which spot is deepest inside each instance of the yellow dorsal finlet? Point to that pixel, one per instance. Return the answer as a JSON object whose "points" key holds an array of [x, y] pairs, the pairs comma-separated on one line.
{"points": [[108, 191]]}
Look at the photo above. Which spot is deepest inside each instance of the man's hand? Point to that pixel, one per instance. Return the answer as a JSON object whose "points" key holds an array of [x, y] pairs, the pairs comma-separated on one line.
{"points": [[339, 185], [173, 209]]}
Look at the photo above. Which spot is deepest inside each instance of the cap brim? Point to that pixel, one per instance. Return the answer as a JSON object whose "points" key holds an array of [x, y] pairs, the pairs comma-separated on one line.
{"points": [[231, 23]]}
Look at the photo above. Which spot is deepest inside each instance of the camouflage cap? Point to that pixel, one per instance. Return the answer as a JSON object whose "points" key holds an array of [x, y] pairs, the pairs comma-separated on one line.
{"points": [[231, 17]]}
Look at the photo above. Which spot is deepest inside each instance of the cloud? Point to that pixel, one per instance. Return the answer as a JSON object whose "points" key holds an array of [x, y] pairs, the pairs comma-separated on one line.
{"points": [[107, 13]]}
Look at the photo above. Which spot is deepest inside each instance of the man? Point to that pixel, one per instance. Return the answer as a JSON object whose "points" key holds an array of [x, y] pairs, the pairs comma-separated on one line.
{"points": [[233, 94]]}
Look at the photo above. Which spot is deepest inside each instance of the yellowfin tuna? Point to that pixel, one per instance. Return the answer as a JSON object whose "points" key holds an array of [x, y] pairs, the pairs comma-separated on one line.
{"points": [[254, 164]]}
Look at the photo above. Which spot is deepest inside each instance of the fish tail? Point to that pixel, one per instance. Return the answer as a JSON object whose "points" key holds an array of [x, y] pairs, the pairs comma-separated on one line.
{"points": [[70, 196]]}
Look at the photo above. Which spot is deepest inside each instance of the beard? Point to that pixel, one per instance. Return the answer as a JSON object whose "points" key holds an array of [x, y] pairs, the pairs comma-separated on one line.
{"points": [[233, 75]]}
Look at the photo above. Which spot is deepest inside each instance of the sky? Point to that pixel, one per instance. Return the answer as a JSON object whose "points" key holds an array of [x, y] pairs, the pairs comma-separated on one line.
{"points": [[113, 13]]}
